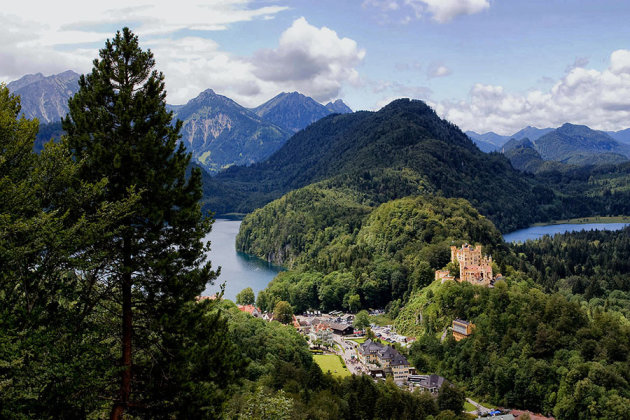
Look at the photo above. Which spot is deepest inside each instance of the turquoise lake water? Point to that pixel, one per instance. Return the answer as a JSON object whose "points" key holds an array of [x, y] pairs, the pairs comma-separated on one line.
{"points": [[238, 270], [536, 232]]}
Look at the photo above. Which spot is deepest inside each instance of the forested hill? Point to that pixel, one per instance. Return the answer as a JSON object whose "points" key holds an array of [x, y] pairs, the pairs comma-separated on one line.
{"points": [[406, 135]]}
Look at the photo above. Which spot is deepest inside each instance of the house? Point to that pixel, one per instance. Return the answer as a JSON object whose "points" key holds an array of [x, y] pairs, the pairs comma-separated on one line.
{"points": [[462, 329], [533, 416], [431, 383], [315, 321], [368, 351], [341, 329], [250, 309], [389, 359], [398, 365], [323, 333]]}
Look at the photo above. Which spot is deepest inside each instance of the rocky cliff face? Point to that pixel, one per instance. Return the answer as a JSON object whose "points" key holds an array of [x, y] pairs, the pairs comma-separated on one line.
{"points": [[220, 133], [45, 97]]}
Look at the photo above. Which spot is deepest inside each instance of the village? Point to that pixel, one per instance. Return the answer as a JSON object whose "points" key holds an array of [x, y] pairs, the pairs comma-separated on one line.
{"points": [[376, 350]]}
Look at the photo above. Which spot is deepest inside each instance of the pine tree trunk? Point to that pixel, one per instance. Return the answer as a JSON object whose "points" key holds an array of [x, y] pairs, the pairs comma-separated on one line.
{"points": [[127, 328]]}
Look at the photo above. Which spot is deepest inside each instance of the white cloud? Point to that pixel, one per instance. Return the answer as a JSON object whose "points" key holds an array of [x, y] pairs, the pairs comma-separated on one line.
{"points": [[445, 10], [599, 99], [191, 65], [49, 39], [314, 61], [384, 5], [620, 61], [441, 11], [53, 36], [438, 70]]}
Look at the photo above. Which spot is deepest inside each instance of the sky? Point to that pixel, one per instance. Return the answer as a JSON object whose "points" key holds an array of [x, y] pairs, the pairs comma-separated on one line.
{"points": [[485, 65]]}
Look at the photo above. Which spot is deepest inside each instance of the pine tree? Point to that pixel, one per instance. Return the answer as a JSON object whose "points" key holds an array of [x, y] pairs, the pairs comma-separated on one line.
{"points": [[119, 127], [51, 252]]}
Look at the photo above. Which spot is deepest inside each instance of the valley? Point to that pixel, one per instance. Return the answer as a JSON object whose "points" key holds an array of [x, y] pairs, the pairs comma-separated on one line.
{"points": [[258, 250]]}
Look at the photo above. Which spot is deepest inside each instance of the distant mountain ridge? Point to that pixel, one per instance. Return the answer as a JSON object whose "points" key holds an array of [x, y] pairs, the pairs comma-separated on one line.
{"points": [[488, 138], [338, 107], [531, 133], [490, 141], [45, 97], [622, 136], [567, 145], [569, 140], [216, 130], [291, 111], [220, 133], [403, 149]]}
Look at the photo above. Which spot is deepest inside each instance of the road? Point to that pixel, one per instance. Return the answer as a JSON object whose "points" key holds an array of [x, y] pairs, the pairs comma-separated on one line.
{"points": [[480, 408], [346, 352]]}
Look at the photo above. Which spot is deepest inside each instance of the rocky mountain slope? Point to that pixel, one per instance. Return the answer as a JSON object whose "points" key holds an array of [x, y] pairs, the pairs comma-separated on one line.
{"points": [[45, 97], [220, 133]]}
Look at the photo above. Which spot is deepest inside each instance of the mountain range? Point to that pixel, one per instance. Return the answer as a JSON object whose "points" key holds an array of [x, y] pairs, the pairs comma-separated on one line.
{"points": [[45, 97], [569, 144], [490, 141], [622, 136], [216, 130], [294, 111], [403, 149], [219, 132]]}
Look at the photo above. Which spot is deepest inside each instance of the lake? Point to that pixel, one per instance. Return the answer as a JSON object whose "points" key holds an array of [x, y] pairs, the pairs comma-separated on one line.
{"points": [[238, 270], [536, 232]]}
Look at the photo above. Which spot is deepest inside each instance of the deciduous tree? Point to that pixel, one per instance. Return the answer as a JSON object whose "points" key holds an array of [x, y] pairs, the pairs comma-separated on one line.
{"points": [[283, 312], [246, 296], [361, 320]]}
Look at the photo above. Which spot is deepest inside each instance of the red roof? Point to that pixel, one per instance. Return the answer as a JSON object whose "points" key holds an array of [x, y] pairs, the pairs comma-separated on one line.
{"points": [[248, 308]]}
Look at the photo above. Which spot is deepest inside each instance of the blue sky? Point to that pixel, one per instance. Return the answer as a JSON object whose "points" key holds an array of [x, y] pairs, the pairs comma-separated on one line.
{"points": [[484, 64]]}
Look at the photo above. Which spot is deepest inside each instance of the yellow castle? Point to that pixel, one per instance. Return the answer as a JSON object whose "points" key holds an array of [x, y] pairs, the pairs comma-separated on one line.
{"points": [[474, 267]]}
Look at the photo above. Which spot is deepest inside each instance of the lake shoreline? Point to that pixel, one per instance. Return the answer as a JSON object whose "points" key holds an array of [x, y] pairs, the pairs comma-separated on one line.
{"points": [[238, 269], [585, 220], [538, 231]]}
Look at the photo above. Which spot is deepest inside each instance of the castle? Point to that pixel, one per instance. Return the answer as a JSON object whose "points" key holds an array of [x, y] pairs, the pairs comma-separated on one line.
{"points": [[473, 266]]}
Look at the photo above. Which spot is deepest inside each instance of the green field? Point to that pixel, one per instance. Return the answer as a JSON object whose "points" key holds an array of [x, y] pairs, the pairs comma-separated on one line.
{"points": [[362, 340], [381, 320], [332, 363], [469, 407]]}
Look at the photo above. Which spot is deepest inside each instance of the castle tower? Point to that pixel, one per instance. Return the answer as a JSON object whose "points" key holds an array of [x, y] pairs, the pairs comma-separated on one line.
{"points": [[474, 267]]}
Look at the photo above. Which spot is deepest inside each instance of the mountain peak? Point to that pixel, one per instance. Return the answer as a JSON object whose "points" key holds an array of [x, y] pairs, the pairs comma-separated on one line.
{"points": [[207, 92], [45, 97], [572, 141], [570, 125], [292, 111], [410, 105], [338, 107]]}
